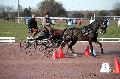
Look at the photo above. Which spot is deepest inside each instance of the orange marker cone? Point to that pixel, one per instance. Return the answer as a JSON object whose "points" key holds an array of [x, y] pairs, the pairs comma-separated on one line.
{"points": [[55, 55], [87, 52], [117, 66], [61, 54]]}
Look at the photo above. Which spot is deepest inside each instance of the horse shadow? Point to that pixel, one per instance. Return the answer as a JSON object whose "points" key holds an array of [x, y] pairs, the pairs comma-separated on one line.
{"points": [[71, 55], [113, 53], [98, 54]]}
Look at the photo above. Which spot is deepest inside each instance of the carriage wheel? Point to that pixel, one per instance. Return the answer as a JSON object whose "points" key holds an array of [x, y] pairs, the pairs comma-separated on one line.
{"points": [[25, 44], [45, 46], [50, 46], [35, 44]]}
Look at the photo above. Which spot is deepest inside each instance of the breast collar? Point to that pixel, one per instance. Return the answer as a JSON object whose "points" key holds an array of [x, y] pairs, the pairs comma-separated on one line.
{"points": [[86, 30]]}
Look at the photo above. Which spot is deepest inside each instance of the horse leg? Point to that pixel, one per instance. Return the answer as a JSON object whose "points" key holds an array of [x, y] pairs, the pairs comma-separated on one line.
{"points": [[63, 44], [100, 46], [71, 44], [91, 48]]}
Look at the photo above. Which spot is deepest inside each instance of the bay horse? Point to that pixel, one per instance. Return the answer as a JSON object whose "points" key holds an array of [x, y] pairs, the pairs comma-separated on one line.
{"points": [[86, 33]]}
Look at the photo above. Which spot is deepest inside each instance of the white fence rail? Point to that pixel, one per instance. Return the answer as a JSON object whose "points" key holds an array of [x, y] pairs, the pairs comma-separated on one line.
{"points": [[12, 39], [106, 40], [109, 39], [7, 39]]}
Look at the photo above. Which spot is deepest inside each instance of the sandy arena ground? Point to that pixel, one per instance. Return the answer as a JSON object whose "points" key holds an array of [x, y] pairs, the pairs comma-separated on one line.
{"points": [[17, 64]]}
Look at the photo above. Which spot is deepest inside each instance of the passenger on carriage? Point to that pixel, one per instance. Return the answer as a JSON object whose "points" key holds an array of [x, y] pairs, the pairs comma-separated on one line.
{"points": [[32, 23], [46, 22]]}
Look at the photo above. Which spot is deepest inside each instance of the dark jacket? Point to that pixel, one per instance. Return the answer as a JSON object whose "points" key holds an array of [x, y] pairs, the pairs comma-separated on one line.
{"points": [[32, 23]]}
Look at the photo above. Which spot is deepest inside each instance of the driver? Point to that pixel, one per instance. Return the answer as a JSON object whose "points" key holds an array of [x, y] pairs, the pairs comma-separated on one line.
{"points": [[32, 23], [46, 22]]}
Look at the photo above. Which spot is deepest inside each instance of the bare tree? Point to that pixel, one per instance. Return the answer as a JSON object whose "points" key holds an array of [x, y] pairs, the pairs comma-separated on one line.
{"points": [[27, 11], [78, 15], [116, 9], [89, 15], [103, 13], [55, 8], [5, 11]]}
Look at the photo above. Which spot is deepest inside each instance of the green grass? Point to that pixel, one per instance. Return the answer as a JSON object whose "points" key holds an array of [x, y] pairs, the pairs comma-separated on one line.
{"points": [[20, 31], [112, 31], [13, 30]]}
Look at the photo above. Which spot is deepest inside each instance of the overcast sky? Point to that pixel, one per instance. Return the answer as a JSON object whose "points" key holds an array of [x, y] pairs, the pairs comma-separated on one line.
{"points": [[68, 4]]}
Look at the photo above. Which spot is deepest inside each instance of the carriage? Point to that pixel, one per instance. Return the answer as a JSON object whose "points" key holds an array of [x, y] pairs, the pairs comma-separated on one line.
{"points": [[41, 42]]}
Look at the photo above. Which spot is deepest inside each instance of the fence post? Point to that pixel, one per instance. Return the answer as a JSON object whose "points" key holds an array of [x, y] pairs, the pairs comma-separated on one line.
{"points": [[102, 39], [10, 40]]}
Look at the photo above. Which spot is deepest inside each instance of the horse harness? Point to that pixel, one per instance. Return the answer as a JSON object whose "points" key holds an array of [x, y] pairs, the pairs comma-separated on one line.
{"points": [[88, 33], [86, 30]]}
